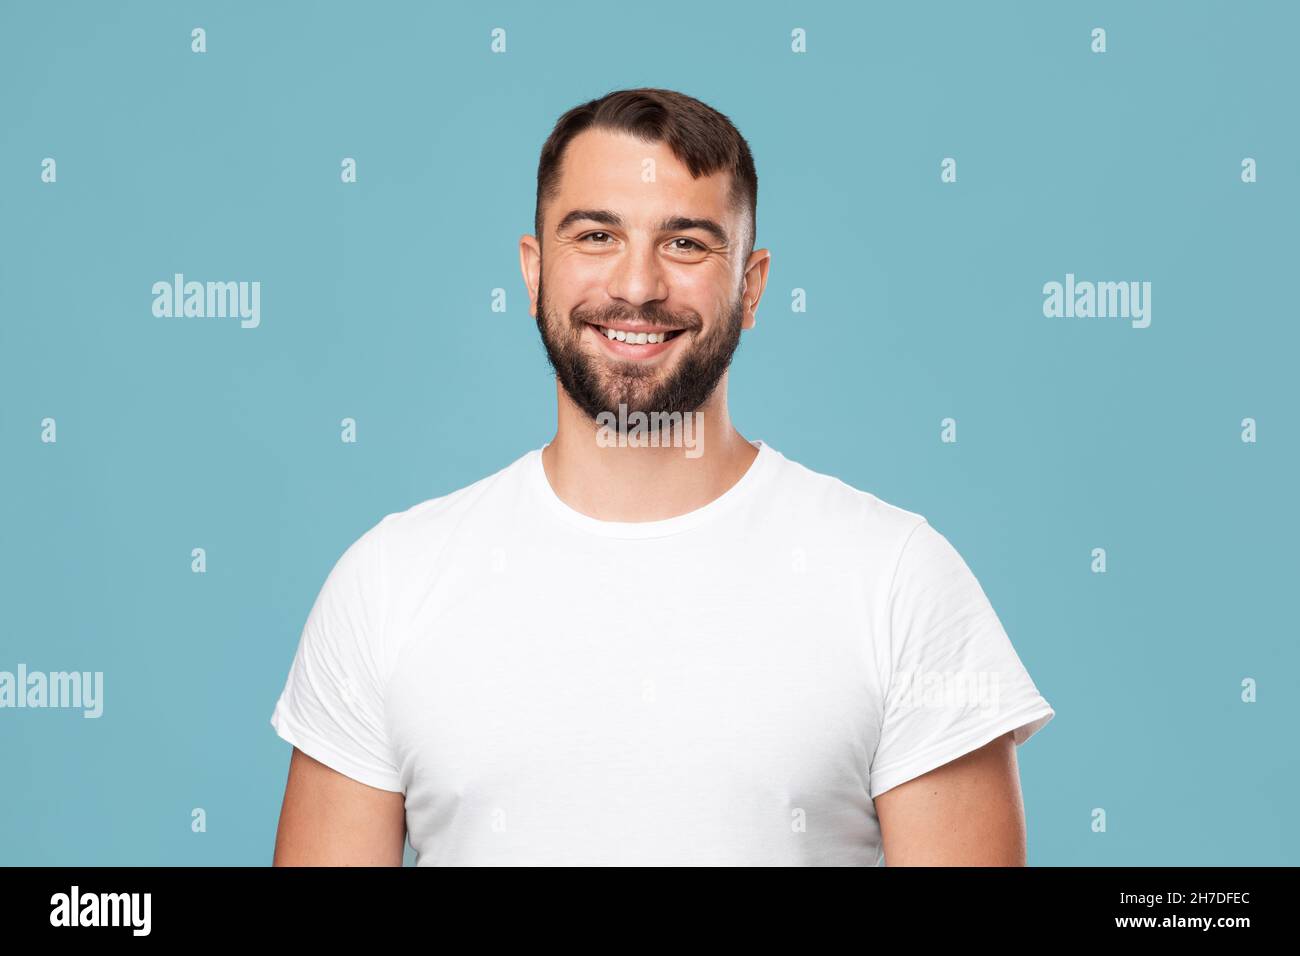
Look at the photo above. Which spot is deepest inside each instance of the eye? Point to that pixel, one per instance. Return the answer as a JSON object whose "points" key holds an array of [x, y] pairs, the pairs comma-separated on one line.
{"points": [[590, 234], [693, 247]]}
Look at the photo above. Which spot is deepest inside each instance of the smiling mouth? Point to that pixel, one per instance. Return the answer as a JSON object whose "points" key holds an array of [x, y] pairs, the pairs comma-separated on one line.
{"points": [[636, 335]]}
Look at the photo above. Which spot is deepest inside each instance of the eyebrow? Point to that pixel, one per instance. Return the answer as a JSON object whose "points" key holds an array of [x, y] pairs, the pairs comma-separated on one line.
{"points": [[671, 224]]}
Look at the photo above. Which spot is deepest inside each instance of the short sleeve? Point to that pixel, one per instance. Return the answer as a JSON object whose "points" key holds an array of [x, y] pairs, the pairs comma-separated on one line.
{"points": [[955, 682], [332, 705]]}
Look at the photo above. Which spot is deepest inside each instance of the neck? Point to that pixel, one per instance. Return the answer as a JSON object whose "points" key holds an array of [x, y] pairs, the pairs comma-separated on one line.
{"points": [[644, 483]]}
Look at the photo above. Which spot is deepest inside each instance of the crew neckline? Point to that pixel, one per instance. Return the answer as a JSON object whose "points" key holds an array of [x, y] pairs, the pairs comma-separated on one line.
{"points": [[661, 527]]}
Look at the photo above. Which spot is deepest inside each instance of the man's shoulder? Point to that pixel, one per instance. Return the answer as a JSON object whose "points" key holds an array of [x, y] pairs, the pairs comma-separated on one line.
{"points": [[816, 498], [429, 519]]}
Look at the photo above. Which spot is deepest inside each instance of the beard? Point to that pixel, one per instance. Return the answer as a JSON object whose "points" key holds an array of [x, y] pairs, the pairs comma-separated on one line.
{"points": [[599, 383]]}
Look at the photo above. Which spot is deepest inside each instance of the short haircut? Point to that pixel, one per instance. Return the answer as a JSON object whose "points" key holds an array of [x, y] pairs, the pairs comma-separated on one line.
{"points": [[703, 139]]}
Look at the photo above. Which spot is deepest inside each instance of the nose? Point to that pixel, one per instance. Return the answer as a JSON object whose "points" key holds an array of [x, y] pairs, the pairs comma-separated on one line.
{"points": [[637, 277]]}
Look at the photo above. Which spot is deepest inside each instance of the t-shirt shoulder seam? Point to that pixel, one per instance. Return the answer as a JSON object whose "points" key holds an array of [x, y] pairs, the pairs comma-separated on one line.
{"points": [[893, 581], [883, 701], [391, 654]]}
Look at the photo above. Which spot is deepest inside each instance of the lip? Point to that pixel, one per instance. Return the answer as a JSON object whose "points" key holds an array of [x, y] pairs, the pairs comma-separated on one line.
{"points": [[635, 352]]}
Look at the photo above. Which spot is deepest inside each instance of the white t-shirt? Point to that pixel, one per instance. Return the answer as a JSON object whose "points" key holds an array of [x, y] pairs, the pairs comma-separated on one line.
{"points": [[730, 686]]}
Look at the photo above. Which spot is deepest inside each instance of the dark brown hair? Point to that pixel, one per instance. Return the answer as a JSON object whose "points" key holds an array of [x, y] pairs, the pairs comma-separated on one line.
{"points": [[699, 136]]}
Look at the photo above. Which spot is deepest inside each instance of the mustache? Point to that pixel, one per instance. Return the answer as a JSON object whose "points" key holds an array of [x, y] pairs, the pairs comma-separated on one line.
{"points": [[652, 315]]}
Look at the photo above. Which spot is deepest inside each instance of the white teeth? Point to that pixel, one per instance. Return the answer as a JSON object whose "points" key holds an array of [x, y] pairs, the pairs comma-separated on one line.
{"points": [[636, 338]]}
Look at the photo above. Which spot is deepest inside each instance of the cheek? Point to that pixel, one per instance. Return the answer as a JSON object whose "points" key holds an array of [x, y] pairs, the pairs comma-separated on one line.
{"points": [[577, 273], [706, 290]]}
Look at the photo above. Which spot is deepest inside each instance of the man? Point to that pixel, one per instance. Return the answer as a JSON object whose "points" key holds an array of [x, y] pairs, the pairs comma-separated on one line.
{"points": [[652, 641]]}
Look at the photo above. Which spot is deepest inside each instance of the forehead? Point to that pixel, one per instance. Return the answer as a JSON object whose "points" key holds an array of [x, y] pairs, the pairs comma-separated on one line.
{"points": [[616, 170]]}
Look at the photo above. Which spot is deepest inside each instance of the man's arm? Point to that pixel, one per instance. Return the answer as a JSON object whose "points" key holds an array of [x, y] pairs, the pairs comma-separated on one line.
{"points": [[329, 819], [968, 812]]}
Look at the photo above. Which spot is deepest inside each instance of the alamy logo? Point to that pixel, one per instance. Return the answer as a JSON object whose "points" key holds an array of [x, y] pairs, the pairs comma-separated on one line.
{"points": [[1101, 300], [946, 690], [55, 689], [208, 300], [651, 430], [102, 909]]}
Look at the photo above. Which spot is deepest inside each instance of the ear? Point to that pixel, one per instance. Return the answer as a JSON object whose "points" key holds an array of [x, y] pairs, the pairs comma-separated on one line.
{"points": [[530, 264], [755, 282]]}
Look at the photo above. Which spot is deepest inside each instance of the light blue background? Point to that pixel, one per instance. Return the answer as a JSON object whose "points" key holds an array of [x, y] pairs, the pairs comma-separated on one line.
{"points": [[924, 302]]}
